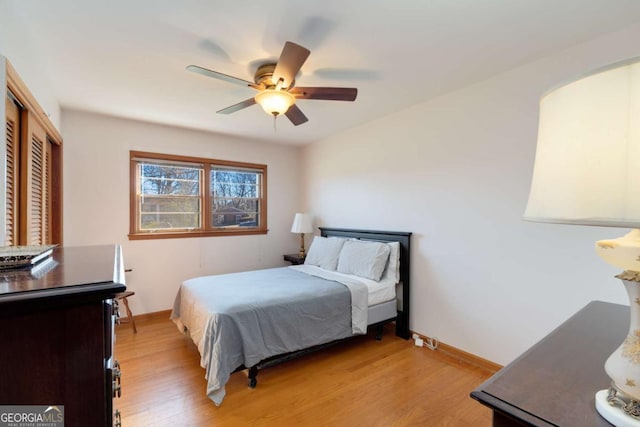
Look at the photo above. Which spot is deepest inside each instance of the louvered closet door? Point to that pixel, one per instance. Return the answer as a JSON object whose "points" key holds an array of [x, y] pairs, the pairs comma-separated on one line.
{"points": [[33, 190], [12, 204], [36, 185]]}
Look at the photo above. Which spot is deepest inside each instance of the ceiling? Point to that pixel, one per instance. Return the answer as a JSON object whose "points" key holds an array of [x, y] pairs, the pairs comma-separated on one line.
{"points": [[127, 58]]}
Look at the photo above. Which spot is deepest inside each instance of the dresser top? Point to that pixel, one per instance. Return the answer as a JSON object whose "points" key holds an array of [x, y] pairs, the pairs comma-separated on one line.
{"points": [[69, 271], [554, 383]]}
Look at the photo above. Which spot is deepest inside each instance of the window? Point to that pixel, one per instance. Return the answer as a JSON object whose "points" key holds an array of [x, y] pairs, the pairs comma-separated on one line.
{"points": [[170, 196], [178, 196]]}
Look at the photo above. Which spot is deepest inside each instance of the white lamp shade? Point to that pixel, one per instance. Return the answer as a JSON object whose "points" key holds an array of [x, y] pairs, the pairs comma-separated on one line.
{"points": [[275, 102], [587, 167], [302, 224]]}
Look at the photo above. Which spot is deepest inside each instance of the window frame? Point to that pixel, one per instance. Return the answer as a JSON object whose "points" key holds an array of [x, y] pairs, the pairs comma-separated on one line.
{"points": [[207, 229]]}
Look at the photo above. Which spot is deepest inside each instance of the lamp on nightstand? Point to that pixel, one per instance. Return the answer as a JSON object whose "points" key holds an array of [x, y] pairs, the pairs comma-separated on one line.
{"points": [[587, 172], [302, 225]]}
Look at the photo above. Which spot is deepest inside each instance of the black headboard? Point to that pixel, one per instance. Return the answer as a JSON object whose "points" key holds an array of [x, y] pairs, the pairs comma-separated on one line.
{"points": [[404, 238]]}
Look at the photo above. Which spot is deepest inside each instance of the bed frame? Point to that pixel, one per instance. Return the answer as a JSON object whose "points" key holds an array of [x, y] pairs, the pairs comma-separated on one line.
{"points": [[403, 295]]}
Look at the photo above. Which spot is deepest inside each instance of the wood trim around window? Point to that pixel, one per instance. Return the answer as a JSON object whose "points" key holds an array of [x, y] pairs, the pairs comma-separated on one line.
{"points": [[206, 230]]}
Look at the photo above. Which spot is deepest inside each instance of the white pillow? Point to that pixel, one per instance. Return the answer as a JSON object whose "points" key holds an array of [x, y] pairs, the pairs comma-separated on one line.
{"points": [[392, 270], [364, 259], [324, 252]]}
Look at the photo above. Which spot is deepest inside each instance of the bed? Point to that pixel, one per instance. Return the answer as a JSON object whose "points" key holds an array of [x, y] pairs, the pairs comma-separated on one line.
{"points": [[351, 280]]}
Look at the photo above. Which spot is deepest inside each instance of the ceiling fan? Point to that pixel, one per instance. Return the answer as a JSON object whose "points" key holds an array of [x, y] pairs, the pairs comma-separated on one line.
{"points": [[276, 88]]}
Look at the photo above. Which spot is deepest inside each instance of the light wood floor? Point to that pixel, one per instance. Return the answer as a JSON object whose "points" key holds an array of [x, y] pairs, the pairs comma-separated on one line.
{"points": [[361, 382]]}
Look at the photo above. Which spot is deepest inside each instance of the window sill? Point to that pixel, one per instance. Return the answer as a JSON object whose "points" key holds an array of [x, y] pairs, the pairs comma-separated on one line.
{"points": [[183, 234]]}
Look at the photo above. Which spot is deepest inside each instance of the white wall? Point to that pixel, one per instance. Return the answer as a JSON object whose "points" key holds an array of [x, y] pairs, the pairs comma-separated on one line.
{"points": [[96, 202], [456, 171], [16, 46]]}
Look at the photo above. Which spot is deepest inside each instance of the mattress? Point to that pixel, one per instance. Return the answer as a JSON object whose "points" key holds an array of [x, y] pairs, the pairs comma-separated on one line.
{"points": [[377, 292]]}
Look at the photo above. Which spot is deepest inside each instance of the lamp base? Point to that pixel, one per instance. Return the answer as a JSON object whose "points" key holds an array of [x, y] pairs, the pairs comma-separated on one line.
{"points": [[616, 415], [302, 254]]}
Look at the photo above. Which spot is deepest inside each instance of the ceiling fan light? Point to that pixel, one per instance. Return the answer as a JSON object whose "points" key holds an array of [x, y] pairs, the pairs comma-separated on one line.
{"points": [[275, 102]]}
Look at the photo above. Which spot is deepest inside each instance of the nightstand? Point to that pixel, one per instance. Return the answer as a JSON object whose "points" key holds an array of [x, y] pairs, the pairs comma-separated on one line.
{"points": [[294, 259]]}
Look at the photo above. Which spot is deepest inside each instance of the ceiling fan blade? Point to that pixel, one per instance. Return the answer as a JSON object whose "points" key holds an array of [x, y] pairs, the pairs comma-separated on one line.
{"points": [[296, 115], [239, 106], [289, 63], [220, 76], [326, 93]]}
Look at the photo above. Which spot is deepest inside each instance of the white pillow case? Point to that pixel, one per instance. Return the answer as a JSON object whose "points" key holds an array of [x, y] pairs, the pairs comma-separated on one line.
{"points": [[324, 252], [364, 258], [392, 270]]}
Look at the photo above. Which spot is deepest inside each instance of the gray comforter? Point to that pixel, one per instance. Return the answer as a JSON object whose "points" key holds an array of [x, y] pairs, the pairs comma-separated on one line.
{"points": [[243, 318]]}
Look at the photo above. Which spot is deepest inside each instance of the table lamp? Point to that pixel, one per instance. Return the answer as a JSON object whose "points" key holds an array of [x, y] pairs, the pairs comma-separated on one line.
{"points": [[587, 172], [302, 225]]}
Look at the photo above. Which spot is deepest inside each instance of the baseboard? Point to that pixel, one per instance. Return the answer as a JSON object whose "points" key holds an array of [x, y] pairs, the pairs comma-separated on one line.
{"points": [[462, 355], [162, 315]]}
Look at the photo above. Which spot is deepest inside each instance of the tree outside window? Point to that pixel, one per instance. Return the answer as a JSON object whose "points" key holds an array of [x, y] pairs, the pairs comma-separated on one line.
{"points": [[169, 199]]}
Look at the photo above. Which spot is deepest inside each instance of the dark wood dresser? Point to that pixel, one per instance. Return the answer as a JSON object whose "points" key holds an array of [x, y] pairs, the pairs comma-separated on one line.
{"points": [[554, 383], [57, 336]]}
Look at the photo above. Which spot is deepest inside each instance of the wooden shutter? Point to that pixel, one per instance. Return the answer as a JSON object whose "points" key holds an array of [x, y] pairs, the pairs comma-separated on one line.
{"points": [[46, 205], [34, 184], [37, 191], [33, 207], [12, 166]]}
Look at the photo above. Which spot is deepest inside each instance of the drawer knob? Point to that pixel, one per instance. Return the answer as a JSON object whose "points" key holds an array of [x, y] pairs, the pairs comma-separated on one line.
{"points": [[116, 374], [117, 389]]}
